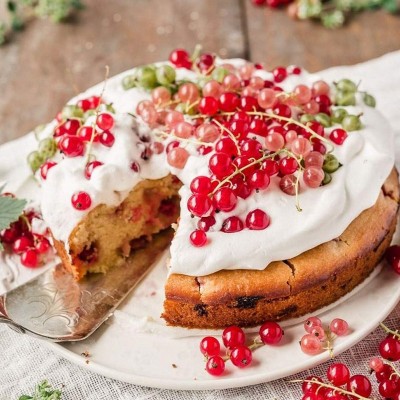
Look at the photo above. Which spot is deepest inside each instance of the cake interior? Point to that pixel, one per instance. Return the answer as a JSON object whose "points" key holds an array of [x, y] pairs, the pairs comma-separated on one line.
{"points": [[109, 235]]}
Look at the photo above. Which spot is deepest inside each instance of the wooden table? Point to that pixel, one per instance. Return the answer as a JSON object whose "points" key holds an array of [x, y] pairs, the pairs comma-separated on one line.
{"points": [[43, 67]]}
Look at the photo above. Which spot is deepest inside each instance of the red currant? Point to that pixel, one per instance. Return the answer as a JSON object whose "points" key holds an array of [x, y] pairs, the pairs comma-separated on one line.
{"points": [[71, 146], [288, 185], [215, 365], [384, 373], [271, 333], [248, 103], [227, 146], [233, 336], [205, 223], [201, 185], [105, 121], [271, 167], [251, 148], [86, 133], [81, 201], [280, 74], [107, 139], [309, 387], [241, 356], [390, 348], [198, 238], [387, 389], [206, 62], [338, 374], [30, 258], [180, 58], [338, 136], [288, 165], [69, 127], [228, 102], [359, 384], [44, 169], [257, 220], [282, 110], [259, 180], [199, 205], [42, 246], [209, 346], [90, 168], [208, 105], [225, 199], [220, 165], [232, 225], [22, 244]]}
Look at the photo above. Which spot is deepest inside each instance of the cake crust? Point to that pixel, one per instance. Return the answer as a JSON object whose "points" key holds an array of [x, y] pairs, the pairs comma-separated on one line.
{"points": [[288, 288]]}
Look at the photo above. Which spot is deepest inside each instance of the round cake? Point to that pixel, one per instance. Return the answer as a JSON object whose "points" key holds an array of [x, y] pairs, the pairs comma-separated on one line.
{"points": [[280, 186]]}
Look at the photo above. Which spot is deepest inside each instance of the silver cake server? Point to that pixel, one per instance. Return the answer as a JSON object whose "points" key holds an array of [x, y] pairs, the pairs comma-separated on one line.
{"points": [[55, 307]]}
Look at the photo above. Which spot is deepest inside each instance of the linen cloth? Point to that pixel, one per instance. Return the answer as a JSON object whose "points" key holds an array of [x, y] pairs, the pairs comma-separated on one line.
{"points": [[25, 361]]}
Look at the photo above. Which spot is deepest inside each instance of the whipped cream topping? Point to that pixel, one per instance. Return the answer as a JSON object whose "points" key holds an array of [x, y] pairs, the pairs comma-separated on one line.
{"points": [[367, 158]]}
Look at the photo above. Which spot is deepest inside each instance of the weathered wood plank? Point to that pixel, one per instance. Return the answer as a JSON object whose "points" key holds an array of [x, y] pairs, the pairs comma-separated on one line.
{"points": [[40, 67], [278, 40]]}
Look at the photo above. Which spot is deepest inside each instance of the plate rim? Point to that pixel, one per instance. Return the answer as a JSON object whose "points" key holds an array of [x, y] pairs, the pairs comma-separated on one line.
{"points": [[235, 381]]}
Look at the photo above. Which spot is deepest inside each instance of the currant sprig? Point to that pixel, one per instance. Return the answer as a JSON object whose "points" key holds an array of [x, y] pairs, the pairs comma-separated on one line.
{"points": [[234, 340], [319, 338]]}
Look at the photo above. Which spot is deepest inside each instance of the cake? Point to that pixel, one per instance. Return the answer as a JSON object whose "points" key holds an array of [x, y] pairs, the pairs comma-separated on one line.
{"points": [[281, 187]]}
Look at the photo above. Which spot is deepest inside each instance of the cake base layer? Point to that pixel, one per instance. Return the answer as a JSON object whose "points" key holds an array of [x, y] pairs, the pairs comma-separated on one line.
{"points": [[289, 288], [107, 236]]}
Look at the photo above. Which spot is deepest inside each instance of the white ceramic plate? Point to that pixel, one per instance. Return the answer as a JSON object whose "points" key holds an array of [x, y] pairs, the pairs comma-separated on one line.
{"points": [[125, 349], [131, 348]]}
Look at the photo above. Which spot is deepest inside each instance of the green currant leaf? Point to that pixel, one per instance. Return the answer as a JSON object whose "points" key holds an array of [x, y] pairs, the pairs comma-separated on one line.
{"points": [[10, 210], [25, 397]]}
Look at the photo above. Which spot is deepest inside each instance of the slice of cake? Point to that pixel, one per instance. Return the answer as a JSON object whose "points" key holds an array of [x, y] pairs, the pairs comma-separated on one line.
{"points": [[283, 184]]}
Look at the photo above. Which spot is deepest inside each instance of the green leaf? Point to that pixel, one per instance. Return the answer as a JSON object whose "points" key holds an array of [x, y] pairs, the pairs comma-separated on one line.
{"points": [[10, 210], [392, 6], [25, 397]]}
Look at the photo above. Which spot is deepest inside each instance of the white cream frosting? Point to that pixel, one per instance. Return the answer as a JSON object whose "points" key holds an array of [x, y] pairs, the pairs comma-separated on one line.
{"points": [[367, 158]]}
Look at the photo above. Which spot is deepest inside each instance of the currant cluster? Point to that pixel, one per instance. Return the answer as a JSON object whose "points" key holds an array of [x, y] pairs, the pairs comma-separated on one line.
{"points": [[393, 257], [318, 338], [234, 340], [385, 371], [341, 385], [251, 131], [20, 239]]}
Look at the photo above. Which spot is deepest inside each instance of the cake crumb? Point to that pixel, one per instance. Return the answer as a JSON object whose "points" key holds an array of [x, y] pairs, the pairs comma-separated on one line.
{"points": [[85, 354], [174, 366]]}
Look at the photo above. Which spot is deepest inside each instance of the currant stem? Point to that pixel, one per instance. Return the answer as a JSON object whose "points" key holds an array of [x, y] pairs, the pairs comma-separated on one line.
{"points": [[329, 342], [179, 139], [231, 135], [336, 388], [395, 370], [388, 330], [238, 171], [97, 112]]}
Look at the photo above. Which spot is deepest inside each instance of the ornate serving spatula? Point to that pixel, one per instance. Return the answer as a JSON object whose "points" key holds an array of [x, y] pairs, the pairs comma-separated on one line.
{"points": [[55, 307]]}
